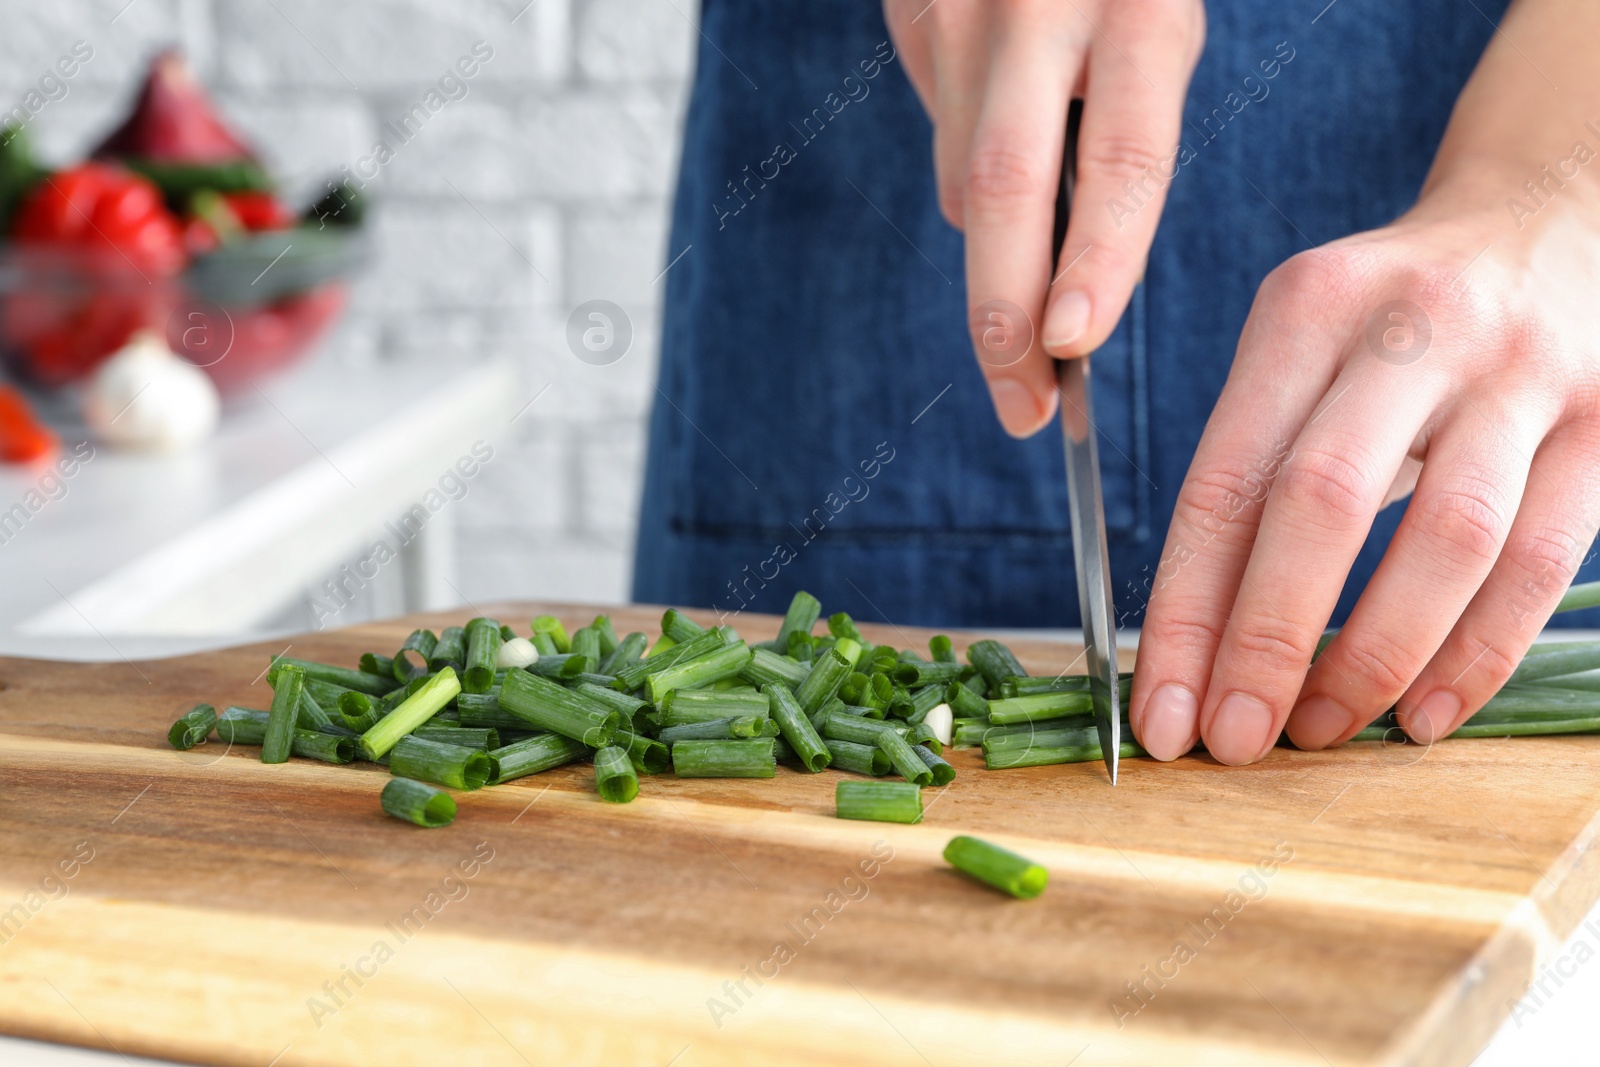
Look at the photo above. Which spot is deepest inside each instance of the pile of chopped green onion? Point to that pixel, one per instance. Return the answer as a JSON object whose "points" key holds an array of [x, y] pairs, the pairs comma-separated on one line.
{"points": [[480, 705]]}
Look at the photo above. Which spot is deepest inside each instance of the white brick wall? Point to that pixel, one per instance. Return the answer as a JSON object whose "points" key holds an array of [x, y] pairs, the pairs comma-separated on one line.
{"points": [[545, 186]]}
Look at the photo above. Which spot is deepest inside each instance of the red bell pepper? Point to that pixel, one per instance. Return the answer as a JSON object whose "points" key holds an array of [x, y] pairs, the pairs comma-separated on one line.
{"points": [[107, 247]]}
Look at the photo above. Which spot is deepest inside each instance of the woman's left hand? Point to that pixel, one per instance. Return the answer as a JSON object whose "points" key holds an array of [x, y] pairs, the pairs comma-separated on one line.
{"points": [[1427, 355], [1452, 355]]}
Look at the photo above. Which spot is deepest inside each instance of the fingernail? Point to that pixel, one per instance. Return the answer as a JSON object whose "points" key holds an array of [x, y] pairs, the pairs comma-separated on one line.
{"points": [[1068, 320], [1014, 403], [1168, 722], [1434, 717], [1318, 722], [1241, 731]]}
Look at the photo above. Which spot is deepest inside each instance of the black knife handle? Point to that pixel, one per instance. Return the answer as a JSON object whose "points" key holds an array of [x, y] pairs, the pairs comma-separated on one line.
{"points": [[1069, 180]]}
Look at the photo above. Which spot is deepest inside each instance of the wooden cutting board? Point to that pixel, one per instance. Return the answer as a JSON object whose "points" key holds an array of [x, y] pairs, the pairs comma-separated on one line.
{"points": [[1380, 904]]}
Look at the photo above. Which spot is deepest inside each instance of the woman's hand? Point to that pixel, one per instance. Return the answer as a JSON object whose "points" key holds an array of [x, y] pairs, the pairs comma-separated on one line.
{"points": [[1454, 355], [997, 78]]}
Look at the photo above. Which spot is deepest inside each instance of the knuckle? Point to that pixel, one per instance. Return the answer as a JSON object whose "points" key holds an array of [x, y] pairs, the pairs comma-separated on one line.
{"points": [[1212, 497], [1491, 662], [1466, 524], [1317, 278], [1326, 488], [1183, 630], [1383, 665], [1275, 645], [1002, 172], [1546, 558], [1120, 155]]}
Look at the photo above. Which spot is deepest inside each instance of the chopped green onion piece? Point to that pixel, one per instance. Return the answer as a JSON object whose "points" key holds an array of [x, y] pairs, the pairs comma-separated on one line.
{"points": [[358, 680], [532, 755], [802, 647], [450, 650], [849, 649], [434, 761], [828, 673], [327, 747], [310, 715], [608, 635], [683, 706], [796, 728], [248, 726], [560, 665], [483, 648], [614, 777], [649, 756], [663, 644], [633, 676], [723, 759], [964, 703], [586, 643], [242, 726], [969, 732], [417, 802], [997, 867], [942, 651], [737, 727], [843, 726], [412, 712], [192, 727], [680, 627], [483, 709], [923, 734], [920, 674], [804, 610], [1038, 706], [877, 801], [923, 701], [544, 644], [994, 661], [412, 659], [943, 773], [629, 650], [552, 707], [372, 663], [622, 703], [843, 626], [287, 689], [862, 759], [482, 738], [906, 763], [1080, 745], [551, 626], [691, 674], [766, 667]]}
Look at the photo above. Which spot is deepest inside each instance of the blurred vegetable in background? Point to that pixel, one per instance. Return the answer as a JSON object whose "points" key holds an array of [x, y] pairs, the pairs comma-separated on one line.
{"points": [[173, 226]]}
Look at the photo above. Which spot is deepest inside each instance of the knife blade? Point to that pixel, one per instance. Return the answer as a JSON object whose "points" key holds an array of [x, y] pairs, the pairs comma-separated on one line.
{"points": [[1085, 501]]}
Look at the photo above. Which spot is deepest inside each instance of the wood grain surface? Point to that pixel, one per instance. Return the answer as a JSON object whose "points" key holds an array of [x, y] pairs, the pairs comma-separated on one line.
{"points": [[1376, 905]]}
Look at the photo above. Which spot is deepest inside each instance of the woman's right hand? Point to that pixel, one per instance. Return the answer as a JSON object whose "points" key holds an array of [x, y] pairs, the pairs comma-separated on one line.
{"points": [[996, 77]]}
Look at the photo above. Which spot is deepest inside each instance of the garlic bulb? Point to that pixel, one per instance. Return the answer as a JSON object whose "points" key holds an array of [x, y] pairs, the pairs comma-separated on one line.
{"points": [[146, 397]]}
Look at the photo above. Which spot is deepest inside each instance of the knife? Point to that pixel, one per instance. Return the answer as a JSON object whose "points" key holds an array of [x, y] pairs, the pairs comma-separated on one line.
{"points": [[1085, 501]]}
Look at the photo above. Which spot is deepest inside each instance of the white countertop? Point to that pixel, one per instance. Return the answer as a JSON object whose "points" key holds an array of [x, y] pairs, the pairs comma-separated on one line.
{"points": [[299, 477]]}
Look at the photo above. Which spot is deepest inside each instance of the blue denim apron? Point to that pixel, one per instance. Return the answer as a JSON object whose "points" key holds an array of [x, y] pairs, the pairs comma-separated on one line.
{"points": [[822, 423]]}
